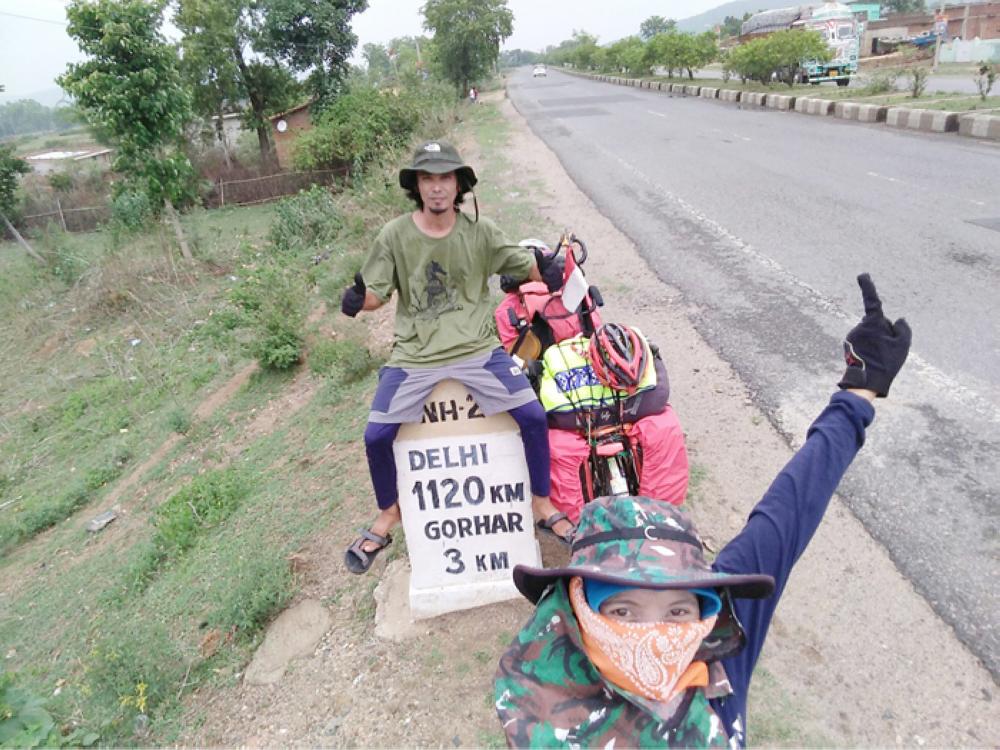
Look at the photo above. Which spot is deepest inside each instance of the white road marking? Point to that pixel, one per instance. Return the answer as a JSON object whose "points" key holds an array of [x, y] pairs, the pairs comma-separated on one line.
{"points": [[658, 114], [943, 384], [878, 176]]}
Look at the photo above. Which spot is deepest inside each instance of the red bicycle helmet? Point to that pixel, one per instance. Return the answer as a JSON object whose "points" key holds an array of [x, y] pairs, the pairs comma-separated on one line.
{"points": [[618, 357]]}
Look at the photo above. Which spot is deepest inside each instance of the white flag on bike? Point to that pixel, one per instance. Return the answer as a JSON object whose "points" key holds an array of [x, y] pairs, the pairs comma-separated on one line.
{"points": [[574, 284]]}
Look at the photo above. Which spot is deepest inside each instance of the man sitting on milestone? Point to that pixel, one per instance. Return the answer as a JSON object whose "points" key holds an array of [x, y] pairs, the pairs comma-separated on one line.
{"points": [[439, 260]]}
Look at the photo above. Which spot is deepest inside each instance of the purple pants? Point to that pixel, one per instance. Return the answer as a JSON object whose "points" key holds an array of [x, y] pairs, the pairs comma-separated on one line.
{"points": [[530, 417]]}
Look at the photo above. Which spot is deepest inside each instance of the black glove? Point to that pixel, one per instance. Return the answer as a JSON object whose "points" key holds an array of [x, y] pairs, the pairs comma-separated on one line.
{"points": [[354, 297], [509, 284], [875, 348], [551, 273]]}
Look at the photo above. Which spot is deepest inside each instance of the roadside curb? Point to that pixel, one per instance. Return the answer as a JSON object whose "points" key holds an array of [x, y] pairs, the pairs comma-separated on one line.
{"points": [[984, 126], [859, 112], [980, 126], [808, 106], [927, 120]]}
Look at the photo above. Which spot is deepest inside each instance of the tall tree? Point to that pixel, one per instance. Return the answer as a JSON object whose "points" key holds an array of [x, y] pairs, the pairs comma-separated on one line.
{"points": [[313, 37], [467, 36], [10, 168], [223, 63], [656, 25], [130, 87], [378, 61]]}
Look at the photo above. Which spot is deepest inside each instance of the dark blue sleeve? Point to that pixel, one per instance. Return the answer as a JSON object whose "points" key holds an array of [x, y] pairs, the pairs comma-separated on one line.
{"points": [[782, 523]]}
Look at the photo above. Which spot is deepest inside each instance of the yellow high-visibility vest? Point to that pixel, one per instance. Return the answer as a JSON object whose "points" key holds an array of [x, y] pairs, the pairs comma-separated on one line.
{"points": [[568, 381]]}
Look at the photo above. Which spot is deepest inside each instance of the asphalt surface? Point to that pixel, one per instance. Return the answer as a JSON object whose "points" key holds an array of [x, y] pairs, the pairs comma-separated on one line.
{"points": [[763, 219]]}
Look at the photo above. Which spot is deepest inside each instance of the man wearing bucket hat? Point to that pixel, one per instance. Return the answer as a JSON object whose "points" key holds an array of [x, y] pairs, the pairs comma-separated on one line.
{"points": [[638, 641], [439, 260]]}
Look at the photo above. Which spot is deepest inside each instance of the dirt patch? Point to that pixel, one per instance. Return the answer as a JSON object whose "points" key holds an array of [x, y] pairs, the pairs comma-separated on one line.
{"points": [[207, 407], [848, 660]]}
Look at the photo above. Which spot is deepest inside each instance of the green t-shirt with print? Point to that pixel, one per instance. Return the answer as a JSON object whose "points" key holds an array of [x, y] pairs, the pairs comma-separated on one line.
{"points": [[444, 312]]}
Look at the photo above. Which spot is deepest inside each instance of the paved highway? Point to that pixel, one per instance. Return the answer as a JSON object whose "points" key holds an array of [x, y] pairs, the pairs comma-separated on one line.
{"points": [[763, 219]]}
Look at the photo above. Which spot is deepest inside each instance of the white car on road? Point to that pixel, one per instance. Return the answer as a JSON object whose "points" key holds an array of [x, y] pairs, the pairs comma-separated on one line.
{"points": [[539, 71]]}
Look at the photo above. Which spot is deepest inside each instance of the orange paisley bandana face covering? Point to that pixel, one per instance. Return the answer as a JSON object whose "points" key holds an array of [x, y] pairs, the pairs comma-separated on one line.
{"points": [[651, 659]]}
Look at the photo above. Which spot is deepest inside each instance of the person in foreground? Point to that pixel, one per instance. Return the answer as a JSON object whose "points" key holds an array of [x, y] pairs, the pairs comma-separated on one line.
{"points": [[638, 641]]}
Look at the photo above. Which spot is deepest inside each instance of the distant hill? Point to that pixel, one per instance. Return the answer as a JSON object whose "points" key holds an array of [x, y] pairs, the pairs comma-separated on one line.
{"points": [[710, 18], [49, 97]]}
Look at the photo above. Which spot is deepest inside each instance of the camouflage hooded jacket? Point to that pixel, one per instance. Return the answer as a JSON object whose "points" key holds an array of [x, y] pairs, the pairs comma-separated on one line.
{"points": [[549, 694]]}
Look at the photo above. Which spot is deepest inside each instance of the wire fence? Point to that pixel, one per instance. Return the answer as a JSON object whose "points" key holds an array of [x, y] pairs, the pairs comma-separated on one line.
{"points": [[254, 190], [244, 192]]}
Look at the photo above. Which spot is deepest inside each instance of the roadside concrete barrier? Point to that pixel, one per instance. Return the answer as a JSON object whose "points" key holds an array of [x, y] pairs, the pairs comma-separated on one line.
{"points": [[980, 126], [809, 106], [780, 101], [859, 112], [973, 124], [927, 120]]}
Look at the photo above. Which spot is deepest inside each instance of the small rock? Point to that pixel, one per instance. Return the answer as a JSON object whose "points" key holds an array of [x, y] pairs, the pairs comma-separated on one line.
{"points": [[333, 725], [888, 715], [99, 522]]}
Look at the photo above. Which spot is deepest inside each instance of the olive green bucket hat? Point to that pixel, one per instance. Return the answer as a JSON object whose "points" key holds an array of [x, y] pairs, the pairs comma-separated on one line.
{"points": [[436, 157], [644, 543]]}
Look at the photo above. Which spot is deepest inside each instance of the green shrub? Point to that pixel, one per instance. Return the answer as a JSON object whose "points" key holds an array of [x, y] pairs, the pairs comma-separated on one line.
{"points": [[347, 360], [179, 421], [260, 587], [272, 295], [131, 212], [306, 220], [203, 504], [358, 128], [26, 721], [65, 263], [880, 82]]}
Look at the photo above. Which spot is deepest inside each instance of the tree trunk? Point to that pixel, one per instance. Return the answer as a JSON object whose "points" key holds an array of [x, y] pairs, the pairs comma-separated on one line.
{"points": [[21, 241], [178, 230], [257, 105], [220, 134]]}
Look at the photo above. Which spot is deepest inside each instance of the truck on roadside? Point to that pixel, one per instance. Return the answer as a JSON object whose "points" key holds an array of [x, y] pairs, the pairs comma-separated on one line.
{"points": [[836, 24]]}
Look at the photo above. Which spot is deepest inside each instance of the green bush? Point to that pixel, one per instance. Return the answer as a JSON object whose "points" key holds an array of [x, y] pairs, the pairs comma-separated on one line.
{"points": [[779, 55], [203, 504], [26, 721], [347, 360], [179, 421], [366, 124], [131, 212], [260, 587], [880, 82], [307, 220], [358, 128]]}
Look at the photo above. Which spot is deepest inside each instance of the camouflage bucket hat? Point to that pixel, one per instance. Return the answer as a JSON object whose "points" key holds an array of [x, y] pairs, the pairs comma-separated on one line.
{"points": [[436, 157], [645, 543]]}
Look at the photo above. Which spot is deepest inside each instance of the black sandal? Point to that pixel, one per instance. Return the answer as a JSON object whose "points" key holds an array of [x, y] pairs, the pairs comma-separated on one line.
{"points": [[357, 559], [547, 526]]}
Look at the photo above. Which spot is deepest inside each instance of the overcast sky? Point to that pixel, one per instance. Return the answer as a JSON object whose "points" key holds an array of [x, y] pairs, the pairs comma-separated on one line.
{"points": [[33, 52]]}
